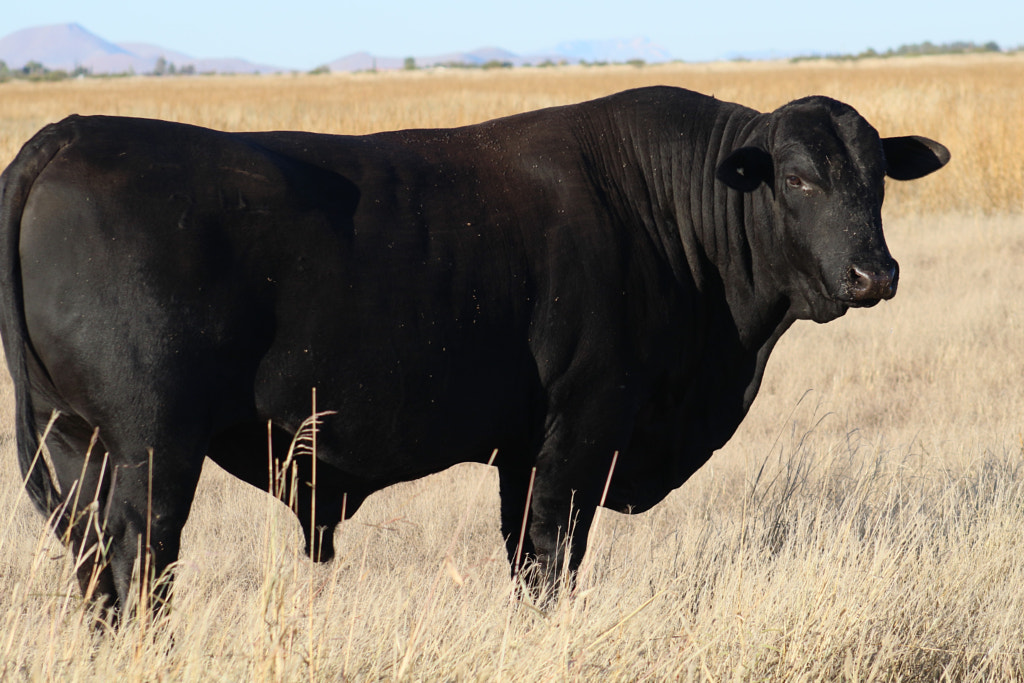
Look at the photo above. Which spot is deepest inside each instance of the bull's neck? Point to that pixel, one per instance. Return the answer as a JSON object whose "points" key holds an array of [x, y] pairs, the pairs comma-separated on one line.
{"points": [[729, 236], [715, 240]]}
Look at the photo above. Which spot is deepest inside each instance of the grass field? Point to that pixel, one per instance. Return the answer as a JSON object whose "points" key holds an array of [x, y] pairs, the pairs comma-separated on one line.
{"points": [[863, 524]]}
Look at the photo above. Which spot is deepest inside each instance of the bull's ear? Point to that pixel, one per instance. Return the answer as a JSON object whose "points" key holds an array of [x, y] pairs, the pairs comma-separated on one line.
{"points": [[746, 168], [912, 157]]}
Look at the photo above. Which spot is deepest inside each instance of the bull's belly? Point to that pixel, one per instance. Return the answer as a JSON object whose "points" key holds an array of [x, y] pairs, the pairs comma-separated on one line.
{"points": [[385, 418]]}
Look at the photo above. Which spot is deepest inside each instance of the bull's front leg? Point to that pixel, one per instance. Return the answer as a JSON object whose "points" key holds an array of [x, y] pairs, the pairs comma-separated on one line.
{"points": [[571, 471]]}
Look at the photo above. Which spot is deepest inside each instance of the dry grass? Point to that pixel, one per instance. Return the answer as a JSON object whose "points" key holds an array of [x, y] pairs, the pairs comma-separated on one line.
{"points": [[864, 523]]}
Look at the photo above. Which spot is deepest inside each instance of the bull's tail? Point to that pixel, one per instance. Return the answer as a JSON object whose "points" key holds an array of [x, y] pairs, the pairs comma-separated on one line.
{"points": [[15, 184]]}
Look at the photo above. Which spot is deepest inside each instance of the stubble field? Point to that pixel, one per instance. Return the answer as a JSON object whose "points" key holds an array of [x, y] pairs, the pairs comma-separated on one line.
{"points": [[863, 524]]}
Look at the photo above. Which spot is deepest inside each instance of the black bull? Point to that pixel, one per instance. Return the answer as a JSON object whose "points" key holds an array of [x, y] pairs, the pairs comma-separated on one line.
{"points": [[559, 285]]}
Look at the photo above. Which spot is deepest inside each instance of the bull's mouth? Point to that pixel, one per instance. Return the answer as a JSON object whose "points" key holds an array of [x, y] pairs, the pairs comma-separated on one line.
{"points": [[860, 303]]}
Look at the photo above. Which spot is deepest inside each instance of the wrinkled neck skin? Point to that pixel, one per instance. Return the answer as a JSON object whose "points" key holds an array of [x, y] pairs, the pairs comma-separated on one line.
{"points": [[718, 242], [731, 238]]}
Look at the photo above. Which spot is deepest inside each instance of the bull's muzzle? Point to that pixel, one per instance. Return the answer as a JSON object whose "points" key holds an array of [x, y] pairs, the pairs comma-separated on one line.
{"points": [[869, 285]]}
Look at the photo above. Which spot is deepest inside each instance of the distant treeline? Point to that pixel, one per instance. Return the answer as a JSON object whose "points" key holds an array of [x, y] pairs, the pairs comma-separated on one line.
{"points": [[917, 50], [409, 64], [35, 71]]}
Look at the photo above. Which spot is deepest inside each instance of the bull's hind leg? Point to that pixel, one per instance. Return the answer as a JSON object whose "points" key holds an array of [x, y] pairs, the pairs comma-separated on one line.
{"points": [[119, 506], [79, 465], [246, 452], [149, 482], [150, 498]]}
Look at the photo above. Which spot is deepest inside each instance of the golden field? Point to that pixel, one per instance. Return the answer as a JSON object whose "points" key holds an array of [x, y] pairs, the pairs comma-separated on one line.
{"points": [[865, 523]]}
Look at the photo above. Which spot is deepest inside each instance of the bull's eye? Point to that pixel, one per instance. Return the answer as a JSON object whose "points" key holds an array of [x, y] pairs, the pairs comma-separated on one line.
{"points": [[794, 181]]}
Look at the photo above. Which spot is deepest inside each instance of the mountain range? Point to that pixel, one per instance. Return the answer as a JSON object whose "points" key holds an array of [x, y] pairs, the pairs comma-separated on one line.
{"points": [[70, 46]]}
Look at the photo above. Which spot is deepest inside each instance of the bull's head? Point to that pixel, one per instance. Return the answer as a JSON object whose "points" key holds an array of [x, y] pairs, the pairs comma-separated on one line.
{"points": [[824, 167]]}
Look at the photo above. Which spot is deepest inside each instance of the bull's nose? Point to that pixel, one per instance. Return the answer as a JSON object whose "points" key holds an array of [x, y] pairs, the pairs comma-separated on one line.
{"points": [[872, 284]]}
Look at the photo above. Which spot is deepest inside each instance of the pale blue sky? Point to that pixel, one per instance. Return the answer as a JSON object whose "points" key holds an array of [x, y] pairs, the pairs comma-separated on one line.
{"points": [[305, 33]]}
